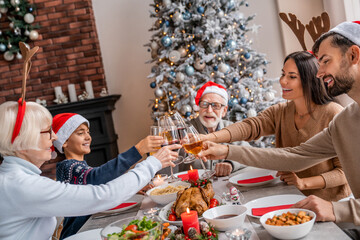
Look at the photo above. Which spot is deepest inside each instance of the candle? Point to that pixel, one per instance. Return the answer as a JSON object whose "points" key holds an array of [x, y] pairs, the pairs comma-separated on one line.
{"points": [[72, 93], [152, 211], [159, 179], [193, 174], [58, 92], [190, 219], [238, 234], [89, 89]]}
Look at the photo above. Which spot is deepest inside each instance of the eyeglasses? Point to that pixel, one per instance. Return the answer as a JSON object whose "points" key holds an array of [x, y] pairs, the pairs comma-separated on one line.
{"points": [[214, 105], [48, 131]]}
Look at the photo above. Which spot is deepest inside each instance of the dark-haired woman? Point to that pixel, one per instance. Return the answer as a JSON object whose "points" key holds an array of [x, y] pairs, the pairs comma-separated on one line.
{"points": [[308, 111]]}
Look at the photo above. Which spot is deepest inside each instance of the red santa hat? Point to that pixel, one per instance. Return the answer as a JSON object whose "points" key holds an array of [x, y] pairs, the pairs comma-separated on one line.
{"points": [[64, 124], [350, 30], [211, 87]]}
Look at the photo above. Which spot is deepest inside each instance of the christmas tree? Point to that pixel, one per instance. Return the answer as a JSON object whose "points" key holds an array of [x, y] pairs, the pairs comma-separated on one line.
{"points": [[196, 41]]}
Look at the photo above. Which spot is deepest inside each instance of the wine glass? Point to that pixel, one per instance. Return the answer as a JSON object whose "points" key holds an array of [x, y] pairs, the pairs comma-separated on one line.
{"points": [[192, 144], [171, 136]]}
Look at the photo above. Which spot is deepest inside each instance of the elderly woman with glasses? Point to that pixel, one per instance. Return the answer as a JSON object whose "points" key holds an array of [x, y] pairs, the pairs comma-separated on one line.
{"points": [[30, 202]]}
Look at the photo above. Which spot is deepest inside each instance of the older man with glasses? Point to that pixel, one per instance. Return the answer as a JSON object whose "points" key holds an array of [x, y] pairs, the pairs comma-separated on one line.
{"points": [[212, 100]]}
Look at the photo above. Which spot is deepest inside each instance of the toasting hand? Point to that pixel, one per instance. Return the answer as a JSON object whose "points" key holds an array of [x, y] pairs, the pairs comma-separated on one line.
{"points": [[166, 155], [213, 151]]}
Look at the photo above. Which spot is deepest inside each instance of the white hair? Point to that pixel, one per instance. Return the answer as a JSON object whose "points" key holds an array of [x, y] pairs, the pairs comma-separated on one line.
{"points": [[36, 118]]}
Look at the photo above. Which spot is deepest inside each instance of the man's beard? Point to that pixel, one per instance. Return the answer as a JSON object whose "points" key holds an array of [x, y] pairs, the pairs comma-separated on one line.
{"points": [[342, 83], [211, 124]]}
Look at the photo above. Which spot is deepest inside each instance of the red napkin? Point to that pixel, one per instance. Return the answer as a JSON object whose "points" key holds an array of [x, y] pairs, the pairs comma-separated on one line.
{"points": [[256, 180], [184, 177], [263, 210], [127, 204]]}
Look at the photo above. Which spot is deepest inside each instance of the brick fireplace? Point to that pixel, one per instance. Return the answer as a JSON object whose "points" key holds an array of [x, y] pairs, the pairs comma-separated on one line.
{"points": [[69, 53]]}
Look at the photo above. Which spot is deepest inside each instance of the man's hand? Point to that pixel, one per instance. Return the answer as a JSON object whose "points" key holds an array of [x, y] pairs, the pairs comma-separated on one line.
{"points": [[213, 151], [223, 169], [324, 209], [149, 144], [291, 179]]}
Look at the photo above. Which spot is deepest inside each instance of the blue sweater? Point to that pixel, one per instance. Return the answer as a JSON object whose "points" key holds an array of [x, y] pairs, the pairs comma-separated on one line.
{"points": [[79, 172]]}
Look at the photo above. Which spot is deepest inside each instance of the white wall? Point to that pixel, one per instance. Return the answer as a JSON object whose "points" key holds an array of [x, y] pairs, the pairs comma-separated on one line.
{"points": [[123, 25]]}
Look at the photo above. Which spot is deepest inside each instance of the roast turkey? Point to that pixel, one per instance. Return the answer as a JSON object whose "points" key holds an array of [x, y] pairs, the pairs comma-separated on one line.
{"points": [[194, 198]]}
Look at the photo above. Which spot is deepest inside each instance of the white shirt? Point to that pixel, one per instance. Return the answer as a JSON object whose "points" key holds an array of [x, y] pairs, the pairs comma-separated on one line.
{"points": [[30, 202]]}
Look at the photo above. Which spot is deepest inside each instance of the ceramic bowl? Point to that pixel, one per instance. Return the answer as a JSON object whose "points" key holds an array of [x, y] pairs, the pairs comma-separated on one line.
{"points": [[235, 213], [116, 227], [288, 232], [166, 198]]}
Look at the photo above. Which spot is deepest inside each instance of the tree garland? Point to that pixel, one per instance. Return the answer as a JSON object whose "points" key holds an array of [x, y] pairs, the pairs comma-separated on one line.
{"points": [[18, 28]]}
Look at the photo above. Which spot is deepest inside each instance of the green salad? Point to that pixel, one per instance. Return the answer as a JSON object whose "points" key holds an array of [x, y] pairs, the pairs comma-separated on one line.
{"points": [[138, 229]]}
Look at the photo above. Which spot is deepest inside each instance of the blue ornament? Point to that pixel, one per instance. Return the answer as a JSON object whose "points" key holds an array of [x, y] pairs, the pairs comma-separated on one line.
{"points": [[187, 114], [172, 73], [159, 101], [233, 102], [192, 48], [235, 80], [200, 10], [153, 85], [264, 71], [189, 70], [2, 47], [216, 68], [167, 23], [244, 116], [243, 100], [171, 98], [31, 9], [246, 4], [186, 15], [247, 55], [166, 41], [170, 79], [242, 27], [230, 45]]}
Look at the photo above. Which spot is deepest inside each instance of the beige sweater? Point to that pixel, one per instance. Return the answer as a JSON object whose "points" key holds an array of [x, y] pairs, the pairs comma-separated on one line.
{"points": [[279, 120], [341, 138]]}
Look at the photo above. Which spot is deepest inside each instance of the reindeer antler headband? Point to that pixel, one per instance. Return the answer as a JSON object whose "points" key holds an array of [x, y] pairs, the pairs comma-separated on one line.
{"points": [[27, 54], [316, 27]]}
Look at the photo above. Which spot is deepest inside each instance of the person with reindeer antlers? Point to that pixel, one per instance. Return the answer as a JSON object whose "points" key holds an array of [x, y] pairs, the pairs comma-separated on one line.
{"points": [[338, 52], [30, 202]]}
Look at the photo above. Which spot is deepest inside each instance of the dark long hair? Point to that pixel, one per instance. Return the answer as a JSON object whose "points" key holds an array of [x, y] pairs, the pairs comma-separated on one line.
{"points": [[313, 88]]}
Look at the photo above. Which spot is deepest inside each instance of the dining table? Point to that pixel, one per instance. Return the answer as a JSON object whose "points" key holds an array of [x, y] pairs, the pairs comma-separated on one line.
{"points": [[320, 230]]}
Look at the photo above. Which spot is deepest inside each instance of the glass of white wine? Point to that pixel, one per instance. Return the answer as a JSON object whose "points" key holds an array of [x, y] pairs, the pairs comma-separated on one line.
{"points": [[155, 131], [192, 144]]}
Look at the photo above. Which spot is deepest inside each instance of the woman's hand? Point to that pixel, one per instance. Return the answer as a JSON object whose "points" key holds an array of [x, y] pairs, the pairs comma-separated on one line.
{"points": [[223, 169], [149, 144], [165, 155], [213, 151], [291, 179]]}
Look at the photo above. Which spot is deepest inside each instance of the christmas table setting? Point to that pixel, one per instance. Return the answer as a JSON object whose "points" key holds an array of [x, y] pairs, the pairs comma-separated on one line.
{"points": [[225, 189]]}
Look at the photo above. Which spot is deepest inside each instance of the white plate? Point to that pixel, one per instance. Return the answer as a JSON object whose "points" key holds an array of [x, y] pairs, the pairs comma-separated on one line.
{"points": [[136, 198], [253, 174], [164, 213], [270, 201], [87, 235], [200, 172]]}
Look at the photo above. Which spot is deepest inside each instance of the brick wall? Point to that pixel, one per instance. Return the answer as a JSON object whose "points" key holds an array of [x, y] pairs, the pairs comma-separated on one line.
{"points": [[69, 53]]}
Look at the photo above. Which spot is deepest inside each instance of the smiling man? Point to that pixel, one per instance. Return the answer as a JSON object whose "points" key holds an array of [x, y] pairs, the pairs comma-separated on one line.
{"points": [[212, 100], [338, 52]]}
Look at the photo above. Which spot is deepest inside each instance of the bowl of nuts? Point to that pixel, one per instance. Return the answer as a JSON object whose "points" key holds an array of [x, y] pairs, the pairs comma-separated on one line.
{"points": [[290, 223]]}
